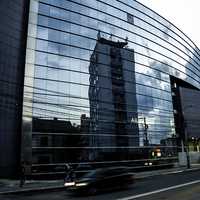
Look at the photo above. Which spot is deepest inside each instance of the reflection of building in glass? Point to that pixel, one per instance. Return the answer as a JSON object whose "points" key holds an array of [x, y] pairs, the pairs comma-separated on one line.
{"points": [[105, 94], [48, 135], [112, 96]]}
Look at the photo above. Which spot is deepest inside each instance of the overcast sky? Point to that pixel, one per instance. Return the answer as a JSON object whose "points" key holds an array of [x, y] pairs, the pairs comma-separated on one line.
{"points": [[185, 14]]}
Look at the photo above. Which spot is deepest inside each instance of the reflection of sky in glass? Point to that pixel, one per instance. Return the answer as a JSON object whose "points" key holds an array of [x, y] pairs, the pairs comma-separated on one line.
{"points": [[66, 38]]}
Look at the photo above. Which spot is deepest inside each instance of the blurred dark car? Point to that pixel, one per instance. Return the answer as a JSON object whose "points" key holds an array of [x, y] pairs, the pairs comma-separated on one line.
{"points": [[82, 169], [101, 180]]}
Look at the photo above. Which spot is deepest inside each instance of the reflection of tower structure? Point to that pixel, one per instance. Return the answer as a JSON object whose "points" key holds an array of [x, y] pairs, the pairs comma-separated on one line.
{"points": [[112, 98], [146, 140], [118, 93]]}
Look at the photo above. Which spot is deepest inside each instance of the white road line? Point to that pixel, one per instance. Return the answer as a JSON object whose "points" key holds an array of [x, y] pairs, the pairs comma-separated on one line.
{"points": [[158, 191], [174, 172]]}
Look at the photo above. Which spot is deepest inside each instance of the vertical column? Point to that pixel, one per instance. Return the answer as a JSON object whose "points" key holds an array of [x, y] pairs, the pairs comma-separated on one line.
{"points": [[26, 144]]}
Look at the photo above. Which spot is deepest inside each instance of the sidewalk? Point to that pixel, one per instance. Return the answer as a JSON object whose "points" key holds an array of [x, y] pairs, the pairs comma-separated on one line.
{"points": [[12, 186]]}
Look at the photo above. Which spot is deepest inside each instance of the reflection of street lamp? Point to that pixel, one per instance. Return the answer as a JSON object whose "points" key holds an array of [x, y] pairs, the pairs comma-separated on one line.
{"points": [[186, 136], [186, 143], [146, 143]]}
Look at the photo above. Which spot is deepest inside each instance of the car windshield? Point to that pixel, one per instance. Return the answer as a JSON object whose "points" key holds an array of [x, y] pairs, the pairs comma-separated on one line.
{"points": [[106, 172], [94, 173], [91, 174]]}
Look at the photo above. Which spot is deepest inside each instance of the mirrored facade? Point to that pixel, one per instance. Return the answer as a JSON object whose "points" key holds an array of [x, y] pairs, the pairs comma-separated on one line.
{"points": [[98, 87]]}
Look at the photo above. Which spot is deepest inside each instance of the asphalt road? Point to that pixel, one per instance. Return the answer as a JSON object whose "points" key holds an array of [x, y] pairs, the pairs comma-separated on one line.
{"points": [[152, 188], [191, 192]]}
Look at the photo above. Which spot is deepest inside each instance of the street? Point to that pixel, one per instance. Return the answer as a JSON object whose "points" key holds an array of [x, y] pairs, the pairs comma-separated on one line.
{"points": [[175, 186]]}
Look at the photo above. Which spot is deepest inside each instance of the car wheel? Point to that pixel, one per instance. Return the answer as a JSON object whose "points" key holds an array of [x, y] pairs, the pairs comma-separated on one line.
{"points": [[92, 191]]}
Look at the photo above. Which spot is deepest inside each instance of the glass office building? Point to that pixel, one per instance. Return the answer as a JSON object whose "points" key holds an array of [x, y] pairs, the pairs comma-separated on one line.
{"points": [[101, 81]]}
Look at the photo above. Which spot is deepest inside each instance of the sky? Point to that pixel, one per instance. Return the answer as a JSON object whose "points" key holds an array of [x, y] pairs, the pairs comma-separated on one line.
{"points": [[185, 14]]}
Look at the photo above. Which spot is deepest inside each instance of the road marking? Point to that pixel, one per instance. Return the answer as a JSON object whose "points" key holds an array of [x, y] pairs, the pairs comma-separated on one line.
{"points": [[175, 172], [159, 191]]}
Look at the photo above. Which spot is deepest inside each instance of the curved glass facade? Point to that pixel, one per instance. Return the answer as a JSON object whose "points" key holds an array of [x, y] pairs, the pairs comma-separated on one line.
{"points": [[98, 83]]}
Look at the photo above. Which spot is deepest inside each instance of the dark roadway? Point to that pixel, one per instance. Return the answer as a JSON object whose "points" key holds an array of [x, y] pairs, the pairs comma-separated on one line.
{"points": [[147, 185]]}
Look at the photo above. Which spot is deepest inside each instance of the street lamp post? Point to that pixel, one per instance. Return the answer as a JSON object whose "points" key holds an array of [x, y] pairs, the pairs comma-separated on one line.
{"points": [[187, 146], [146, 141], [186, 138]]}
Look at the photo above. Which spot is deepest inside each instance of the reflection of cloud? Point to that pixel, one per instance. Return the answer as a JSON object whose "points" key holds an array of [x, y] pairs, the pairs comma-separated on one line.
{"points": [[149, 102], [53, 60], [166, 32], [152, 108], [147, 47], [164, 66], [168, 68]]}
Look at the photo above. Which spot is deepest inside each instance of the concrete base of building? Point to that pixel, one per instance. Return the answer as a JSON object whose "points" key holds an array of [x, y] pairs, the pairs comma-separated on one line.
{"points": [[194, 158], [182, 157]]}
